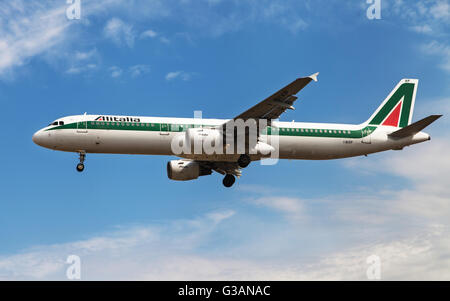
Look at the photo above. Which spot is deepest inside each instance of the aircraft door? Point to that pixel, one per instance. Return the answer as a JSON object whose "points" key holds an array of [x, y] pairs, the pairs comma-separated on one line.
{"points": [[367, 137], [82, 125], [164, 129]]}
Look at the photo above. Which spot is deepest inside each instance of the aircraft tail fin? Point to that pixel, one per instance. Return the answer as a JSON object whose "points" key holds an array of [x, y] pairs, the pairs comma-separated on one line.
{"points": [[397, 109], [415, 128]]}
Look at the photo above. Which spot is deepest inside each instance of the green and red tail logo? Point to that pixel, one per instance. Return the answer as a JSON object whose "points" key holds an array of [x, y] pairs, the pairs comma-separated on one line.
{"points": [[397, 109]]}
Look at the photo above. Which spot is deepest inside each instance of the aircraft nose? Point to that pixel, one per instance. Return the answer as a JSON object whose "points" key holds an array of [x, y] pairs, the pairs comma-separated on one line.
{"points": [[38, 138]]}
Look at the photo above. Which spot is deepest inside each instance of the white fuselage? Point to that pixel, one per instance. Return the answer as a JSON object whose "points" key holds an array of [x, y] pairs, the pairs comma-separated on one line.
{"points": [[153, 136]]}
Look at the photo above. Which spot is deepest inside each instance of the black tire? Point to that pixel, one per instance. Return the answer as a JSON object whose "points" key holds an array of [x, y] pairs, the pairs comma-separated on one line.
{"points": [[228, 181], [80, 167], [244, 161]]}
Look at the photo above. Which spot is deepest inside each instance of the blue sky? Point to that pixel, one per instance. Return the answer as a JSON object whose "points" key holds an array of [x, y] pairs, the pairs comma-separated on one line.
{"points": [[294, 220]]}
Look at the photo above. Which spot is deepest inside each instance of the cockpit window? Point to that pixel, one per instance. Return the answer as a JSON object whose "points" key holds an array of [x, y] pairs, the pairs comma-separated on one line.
{"points": [[61, 123], [54, 123]]}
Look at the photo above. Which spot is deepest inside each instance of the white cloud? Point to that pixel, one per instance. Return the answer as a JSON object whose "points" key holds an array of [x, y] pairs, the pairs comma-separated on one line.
{"points": [[425, 29], [85, 55], [424, 17], [164, 40], [82, 61], [436, 48], [115, 71], [81, 68], [219, 216], [138, 70], [30, 29], [129, 253], [27, 30], [440, 50], [285, 14], [430, 18], [422, 256], [175, 251], [120, 32], [149, 34], [426, 166], [185, 76], [441, 10], [217, 18], [134, 71], [439, 106], [292, 208]]}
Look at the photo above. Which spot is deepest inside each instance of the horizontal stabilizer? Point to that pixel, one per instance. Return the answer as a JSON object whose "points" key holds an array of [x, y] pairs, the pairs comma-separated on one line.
{"points": [[415, 127]]}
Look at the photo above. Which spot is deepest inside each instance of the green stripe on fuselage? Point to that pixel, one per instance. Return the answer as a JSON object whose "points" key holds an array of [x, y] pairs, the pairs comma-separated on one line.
{"points": [[176, 128]]}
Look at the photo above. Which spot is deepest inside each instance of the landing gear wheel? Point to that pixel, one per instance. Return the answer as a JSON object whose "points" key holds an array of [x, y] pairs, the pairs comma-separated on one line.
{"points": [[80, 167], [244, 161], [228, 181]]}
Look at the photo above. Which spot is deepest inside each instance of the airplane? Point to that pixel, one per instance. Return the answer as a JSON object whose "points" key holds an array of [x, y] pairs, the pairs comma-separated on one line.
{"points": [[388, 128]]}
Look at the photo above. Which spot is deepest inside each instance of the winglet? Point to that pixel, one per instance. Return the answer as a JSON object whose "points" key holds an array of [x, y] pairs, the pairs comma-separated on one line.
{"points": [[314, 76]]}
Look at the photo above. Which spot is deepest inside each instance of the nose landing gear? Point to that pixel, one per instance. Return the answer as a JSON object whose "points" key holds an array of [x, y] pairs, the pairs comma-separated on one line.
{"points": [[228, 181], [80, 166]]}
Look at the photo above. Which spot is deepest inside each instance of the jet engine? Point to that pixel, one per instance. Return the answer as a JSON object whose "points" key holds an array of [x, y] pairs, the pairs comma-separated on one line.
{"points": [[186, 170]]}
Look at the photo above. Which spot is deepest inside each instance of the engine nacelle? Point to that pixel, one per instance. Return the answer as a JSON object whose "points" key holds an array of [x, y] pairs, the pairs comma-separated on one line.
{"points": [[185, 170]]}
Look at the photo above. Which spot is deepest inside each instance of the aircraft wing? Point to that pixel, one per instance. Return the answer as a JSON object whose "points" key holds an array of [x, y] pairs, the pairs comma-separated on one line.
{"points": [[276, 104]]}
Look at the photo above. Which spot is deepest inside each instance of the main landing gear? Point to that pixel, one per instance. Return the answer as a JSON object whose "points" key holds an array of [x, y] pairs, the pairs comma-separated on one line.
{"points": [[229, 180], [244, 161], [80, 166]]}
